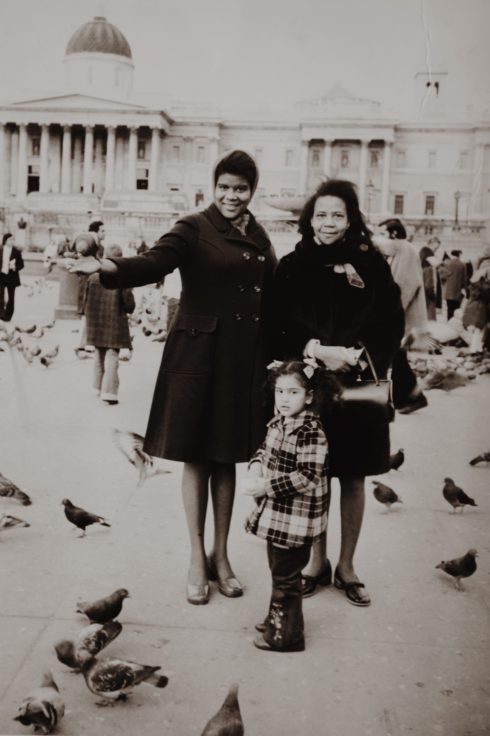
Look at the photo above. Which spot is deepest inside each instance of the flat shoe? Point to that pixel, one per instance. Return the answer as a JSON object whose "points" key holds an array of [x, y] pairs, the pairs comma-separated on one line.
{"points": [[261, 626], [230, 587], [198, 595], [353, 591], [309, 583], [261, 643]]}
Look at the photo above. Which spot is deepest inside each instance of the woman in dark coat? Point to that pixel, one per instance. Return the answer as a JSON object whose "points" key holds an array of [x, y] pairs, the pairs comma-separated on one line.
{"points": [[207, 410], [333, 292]]}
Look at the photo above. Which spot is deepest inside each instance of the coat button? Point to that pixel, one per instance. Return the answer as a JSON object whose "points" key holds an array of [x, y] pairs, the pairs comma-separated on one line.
{"points": [[193, 331], [255, 318], [246, 255], [238, 317], [261, 258], [240, 287], [257, 289]]}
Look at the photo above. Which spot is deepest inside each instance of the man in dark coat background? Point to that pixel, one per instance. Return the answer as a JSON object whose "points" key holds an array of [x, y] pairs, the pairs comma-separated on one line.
{"points": [[11, 262]]}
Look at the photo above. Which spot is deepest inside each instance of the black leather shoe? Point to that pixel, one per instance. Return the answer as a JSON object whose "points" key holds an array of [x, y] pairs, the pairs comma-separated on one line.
{"points": [[354, 591], [297, 646], [261, 626], [309, 583], [230, 587], [419, 402]]}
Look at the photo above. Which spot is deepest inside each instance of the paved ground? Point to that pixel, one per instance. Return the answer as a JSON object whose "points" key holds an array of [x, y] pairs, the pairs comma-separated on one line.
{"points": [[415, 662]]}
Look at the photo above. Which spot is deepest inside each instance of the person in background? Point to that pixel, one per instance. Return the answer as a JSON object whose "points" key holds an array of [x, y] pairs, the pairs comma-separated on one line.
{"points": [[11, 262], [97, 228], [391, 239], [454, 278], [432, 281], [476, 313]]}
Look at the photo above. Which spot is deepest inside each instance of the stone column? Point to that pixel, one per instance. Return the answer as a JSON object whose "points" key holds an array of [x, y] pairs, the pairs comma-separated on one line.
{"points": [[303, 166], [22, 163], [76, 185], [363, 173], [154, 159], [66, 160], [213, 150], [132, 151], [2, 162], [14, 155], [327, 158], [110, 157], [44, 160], [188, 167], [385, 180], [88, 153], [477, 180]]}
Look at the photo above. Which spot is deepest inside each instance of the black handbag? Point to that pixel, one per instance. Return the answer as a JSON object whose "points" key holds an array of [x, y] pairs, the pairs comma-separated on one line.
{"points": [[366, 401]]}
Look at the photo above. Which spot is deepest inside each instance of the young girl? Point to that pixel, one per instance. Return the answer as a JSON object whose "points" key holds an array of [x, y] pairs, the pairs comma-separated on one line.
{"points": [[288, 478]]}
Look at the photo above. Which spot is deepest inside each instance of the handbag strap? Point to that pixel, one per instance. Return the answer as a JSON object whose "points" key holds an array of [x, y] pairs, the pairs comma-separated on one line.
{"points": [[371, 365]]}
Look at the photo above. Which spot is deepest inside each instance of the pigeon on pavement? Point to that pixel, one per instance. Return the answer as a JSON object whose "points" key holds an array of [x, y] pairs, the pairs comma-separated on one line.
{"points": [[397, 459], [43, 707], [228, 720], [11, 522], [131, 445], [446, 380], [114, 679], [460, 567], [455, 495], [10, 490], [104, 609], [484, 457], [92, 639], [385, 495], [81, 518]]}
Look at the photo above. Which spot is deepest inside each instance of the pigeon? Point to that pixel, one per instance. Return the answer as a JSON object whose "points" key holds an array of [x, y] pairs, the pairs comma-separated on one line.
{"points": [[397, 459], [10, 490], [456, 496], [43, 707], [228, 720], [50, 325], [446, 380], [52, 353], [131, 445], [11, 522], [36, 351], [92, 639], [484, 457], [81, 518], [460, 567], [114, 679], [45, 361], [27, 330], [421, 341], [105, 609], [161, 337], [385, 495]]}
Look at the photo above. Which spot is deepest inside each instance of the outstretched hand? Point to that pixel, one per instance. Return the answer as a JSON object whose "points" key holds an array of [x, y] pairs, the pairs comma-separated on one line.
{"points": [[85, 264]]}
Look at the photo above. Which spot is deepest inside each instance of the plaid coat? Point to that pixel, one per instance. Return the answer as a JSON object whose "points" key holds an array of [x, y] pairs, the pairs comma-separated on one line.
{"points": [[293, 456], [105, 312]]}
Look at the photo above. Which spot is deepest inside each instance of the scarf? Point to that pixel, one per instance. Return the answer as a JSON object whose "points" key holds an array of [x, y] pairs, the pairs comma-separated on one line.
{"points": [[241, 223], [346, 256]]}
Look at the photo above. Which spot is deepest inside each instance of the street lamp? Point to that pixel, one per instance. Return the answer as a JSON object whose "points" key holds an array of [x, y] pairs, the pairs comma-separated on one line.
{"points": [[457, 197]]}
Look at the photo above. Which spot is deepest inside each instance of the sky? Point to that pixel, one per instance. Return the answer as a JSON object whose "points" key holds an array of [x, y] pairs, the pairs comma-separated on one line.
{"points": [[261, 54]]}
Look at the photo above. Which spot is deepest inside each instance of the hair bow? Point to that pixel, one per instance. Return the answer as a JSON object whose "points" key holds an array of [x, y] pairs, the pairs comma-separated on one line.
{"points": [[274, 365], [310, 367]]}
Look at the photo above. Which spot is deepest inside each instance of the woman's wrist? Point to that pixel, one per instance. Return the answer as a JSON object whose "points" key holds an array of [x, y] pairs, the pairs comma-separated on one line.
{"points": [[107, 266]]}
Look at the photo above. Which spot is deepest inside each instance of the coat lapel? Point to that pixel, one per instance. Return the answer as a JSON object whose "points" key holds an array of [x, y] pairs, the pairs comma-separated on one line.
{"points": [[256, 236]]}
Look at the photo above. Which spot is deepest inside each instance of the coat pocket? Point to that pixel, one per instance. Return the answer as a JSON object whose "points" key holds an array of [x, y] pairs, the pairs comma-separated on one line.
{"points": [[190, 346]]}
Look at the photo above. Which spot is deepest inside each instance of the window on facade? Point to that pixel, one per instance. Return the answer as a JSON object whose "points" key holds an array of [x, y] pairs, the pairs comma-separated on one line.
{"points": [[430, 204], [344, 158], [289, 157], [401, 159], [463, 160], [398, 204], [35, 146], [201, 154], [432, 159], [142, 178], [315, 157], [374, 158], [176, 153], [141, 149]]}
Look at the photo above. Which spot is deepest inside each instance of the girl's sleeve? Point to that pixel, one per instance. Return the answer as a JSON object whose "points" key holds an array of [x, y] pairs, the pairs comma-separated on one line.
{"points": [[311, 456], [172, 251]]}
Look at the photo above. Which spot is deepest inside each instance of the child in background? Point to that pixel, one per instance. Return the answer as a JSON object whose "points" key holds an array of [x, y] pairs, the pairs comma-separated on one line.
{"points": [[106, 313], [287, 477]]}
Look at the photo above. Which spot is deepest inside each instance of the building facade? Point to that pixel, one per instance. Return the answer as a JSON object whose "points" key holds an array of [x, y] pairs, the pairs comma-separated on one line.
{"points": [[93, 150]]}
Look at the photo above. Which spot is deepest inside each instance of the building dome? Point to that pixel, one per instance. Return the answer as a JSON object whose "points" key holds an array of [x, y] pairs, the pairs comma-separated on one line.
{"points": [[100, 37]]}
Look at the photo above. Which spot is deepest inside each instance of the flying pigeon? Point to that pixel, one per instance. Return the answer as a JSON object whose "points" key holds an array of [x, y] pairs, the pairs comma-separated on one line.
{"points": [[114, 679], [11, 522], [460, 567], [385, 495], [10, 490], [92, 639], [131, 445], [81, 518], [420, 340], [397, 459], [456, 496], [43, 707], [483, 458], [228, 720], [446, 380], [105, 609]]}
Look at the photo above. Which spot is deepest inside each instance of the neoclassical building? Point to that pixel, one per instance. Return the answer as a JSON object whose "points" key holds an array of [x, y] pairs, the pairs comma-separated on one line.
{"points": [[95, 150]]}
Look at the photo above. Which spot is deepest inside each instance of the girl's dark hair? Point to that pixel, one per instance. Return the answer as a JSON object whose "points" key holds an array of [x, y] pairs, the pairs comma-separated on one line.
{"points": [[395, 227], [424, 253], [323, 384], [238, 163], [95, 226], [345, 191], [6, 237]]}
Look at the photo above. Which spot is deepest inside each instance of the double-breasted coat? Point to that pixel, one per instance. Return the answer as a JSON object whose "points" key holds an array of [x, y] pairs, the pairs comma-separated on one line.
{"points": [[12, 277], [208, 404]]}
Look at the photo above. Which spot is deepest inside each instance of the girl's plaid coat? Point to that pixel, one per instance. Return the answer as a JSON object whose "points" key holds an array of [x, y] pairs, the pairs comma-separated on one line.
{"points": [[106, 315], [293, 457]]}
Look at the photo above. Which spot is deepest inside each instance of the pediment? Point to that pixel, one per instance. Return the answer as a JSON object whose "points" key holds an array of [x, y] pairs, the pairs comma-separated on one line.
{"points": [[77, 101]]}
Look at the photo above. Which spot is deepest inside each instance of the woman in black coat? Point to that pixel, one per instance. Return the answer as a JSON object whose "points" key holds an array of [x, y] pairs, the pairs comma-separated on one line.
{"points": [[335, 291], [207, 410]]}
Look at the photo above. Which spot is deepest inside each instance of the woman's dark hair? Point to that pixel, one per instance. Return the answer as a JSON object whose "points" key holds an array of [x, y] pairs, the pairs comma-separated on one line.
{"points": [[323, 384], [395, 227], [345, 191], [238, 163], [5, 237]]}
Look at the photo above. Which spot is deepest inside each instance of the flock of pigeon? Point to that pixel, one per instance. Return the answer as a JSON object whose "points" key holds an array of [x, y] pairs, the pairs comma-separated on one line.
{"points": [[29, 346]]}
